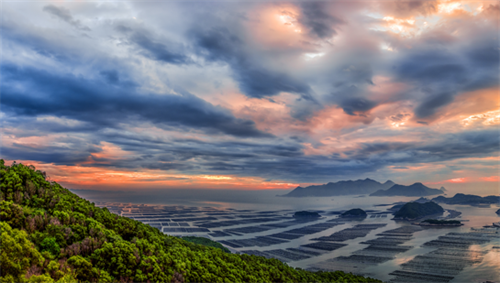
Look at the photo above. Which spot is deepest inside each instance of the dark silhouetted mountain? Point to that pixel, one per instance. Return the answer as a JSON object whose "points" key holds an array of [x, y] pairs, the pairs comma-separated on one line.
{"points": [[468, 199], [498, 211], [415, 210], [355, 212], [366, 186], [443, 189], [415, 190]]}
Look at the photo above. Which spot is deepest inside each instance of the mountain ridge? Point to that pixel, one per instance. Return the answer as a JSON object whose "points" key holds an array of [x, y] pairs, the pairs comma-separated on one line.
{"points": [[460, 198], [344, 187], [415, 190]]}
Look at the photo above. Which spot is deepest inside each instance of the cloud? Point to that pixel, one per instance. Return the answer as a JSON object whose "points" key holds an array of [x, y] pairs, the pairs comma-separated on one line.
{"points": [[144, 83], [33, 92], [355, 105], [317, 20], [219, 44], [158, 50], [65, 15], [432, 104]]}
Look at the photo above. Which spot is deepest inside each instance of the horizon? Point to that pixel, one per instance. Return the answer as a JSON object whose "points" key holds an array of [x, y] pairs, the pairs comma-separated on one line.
{"points": [[139, 96]]}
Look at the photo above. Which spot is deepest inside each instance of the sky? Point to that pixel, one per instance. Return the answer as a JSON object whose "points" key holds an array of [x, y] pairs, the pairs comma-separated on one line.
{"points": [[252, 94]]}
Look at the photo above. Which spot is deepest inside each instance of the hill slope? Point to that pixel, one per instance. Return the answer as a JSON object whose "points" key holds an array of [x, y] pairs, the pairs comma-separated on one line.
{"points": [[340, 188], [415, 190], [49, 234]]}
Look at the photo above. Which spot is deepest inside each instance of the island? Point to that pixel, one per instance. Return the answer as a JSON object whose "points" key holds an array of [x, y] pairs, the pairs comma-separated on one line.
{"points": [[415, 210], [354, 213], [468, 200], [349, 187], [303, 214], [436, 222], [415, 190], [498, 211]]}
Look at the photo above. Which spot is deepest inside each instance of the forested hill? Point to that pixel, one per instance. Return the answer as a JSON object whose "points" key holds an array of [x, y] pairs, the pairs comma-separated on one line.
{"points": [[49, 234]]}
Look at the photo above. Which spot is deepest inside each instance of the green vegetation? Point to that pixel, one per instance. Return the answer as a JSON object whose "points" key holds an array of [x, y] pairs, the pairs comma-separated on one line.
{"points": [[306, 214], [414, 210], [205, 242], [355, 212], [442, 222], [49, 234]]}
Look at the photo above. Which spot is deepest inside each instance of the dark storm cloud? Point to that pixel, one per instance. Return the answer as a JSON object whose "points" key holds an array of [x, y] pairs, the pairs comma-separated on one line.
{"points": [[160, 51], [111, 76], [462, 145], [431, 66], [32, 92], [254, 79], [65, 15], [354, 105], [317, 20], [429, 107], [439, 76]]}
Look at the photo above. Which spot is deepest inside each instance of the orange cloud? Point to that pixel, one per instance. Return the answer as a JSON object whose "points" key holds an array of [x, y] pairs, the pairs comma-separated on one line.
{"points": [[457, 180], [96, 177], [491, 179]]}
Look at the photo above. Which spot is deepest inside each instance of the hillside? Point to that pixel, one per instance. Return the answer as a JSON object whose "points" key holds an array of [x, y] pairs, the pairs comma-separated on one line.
{"points": [[415, 210], [415, 190], [468, 199], [205, 242], [340, 188], [49, 234]]}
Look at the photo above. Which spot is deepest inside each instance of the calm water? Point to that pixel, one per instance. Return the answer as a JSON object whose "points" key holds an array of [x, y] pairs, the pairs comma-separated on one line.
{"points": [[477, 217]]}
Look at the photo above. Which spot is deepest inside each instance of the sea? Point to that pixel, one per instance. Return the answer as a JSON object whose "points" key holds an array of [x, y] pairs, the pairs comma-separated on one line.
{"points": [[474, 219]]}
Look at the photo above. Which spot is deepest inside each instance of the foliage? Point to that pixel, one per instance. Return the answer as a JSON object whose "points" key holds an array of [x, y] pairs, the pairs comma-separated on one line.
{"points": [[205, 242], [413, 210], [49, 234], [49, 244]]}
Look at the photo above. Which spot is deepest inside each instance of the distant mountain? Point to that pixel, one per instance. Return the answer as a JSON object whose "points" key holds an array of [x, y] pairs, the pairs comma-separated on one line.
{"points": [[415, 190], [415, 210], [422, 200], [366, 186], [443, 189], [468, 199]]}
